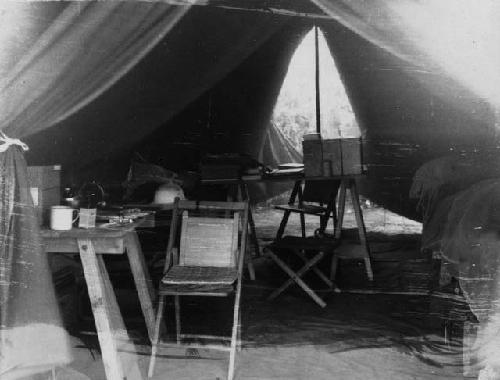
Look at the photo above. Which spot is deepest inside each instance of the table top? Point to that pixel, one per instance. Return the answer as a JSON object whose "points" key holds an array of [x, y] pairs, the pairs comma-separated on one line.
{"points": [[152, 206], [106, 231]]}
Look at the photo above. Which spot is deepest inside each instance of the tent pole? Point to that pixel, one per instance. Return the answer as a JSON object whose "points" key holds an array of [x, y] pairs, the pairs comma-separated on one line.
{"points": [[318, 105]]}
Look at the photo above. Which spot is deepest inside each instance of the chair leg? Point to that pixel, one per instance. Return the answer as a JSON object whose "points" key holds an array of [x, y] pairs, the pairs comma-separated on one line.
{"points": [[178, 318], [253, 234], [303, 224], [156, 335], [323, 222], [238, 335], [250, 267], [333, 268], [330, 212], [333, 272], [368, 268], [315, 269], [234, 333], [284, 221]]}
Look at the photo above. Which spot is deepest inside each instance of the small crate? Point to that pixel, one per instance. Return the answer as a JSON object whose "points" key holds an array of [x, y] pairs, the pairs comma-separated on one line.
{"points": [[332, 157], [45, 188], [352, 156], [87, 218], [312, 150]]}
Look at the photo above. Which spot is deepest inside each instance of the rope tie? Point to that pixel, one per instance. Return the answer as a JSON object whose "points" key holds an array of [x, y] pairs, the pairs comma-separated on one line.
{"points": [[6, 142]]}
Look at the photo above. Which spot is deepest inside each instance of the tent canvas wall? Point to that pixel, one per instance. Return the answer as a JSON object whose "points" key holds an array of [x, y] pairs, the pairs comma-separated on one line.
{"points": [[234, 61], [87, 83]]}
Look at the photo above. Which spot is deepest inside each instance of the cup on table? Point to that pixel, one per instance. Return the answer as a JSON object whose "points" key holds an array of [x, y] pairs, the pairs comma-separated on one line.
{"points": [[62, 218], [87, 217]]}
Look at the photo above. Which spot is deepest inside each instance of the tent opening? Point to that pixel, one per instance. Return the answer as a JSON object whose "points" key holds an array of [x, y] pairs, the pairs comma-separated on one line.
{"points": [[295, 110]]}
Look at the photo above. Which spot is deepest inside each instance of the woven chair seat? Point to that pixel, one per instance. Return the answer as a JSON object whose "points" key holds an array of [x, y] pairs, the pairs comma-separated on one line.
{"points": [[196, 289], [187, 275]]}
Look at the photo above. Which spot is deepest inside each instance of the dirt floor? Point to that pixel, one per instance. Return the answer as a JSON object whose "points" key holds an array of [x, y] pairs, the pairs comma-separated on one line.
{"points": [[386, 329]]}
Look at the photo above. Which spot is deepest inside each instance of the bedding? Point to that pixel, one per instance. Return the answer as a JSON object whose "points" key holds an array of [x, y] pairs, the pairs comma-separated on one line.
{"points": [[461, 225]]}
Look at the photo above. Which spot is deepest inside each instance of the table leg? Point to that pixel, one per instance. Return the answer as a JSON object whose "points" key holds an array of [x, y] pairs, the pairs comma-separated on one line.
{"points": [[126, 347], [242, 194], [245, 197], [253, 233], [295, 191], [358, 213], [341, 211], [111, 330], [142, 280], [283, 223]]}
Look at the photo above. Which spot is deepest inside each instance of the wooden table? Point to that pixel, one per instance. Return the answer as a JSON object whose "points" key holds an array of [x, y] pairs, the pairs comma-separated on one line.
{"points": [[118, 352]]}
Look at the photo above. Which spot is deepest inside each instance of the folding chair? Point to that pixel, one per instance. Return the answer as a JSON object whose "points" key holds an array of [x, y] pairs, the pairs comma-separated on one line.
{"points": [[317, 197], [204, 258], [299, 246]]}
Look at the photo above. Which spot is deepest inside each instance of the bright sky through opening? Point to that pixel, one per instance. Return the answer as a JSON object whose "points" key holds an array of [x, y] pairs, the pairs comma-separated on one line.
{"points": [[294, 112]]}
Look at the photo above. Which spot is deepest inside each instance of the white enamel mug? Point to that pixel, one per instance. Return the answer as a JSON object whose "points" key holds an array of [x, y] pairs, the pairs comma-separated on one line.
{"points": [[61, 218]]}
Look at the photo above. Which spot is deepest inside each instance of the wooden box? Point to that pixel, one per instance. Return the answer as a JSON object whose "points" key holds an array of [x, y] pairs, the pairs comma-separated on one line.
{"points": [[352, 157], [312, 150], [45, 188], [332, 157], [87, 218]]}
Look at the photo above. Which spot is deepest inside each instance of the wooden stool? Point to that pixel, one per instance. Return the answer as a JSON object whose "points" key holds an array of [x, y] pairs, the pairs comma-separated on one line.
{"points": [[298, 246]]}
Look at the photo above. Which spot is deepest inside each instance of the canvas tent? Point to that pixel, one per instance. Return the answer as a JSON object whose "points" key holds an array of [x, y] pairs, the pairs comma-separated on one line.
{"points": [[235, 61], [86, 83]]}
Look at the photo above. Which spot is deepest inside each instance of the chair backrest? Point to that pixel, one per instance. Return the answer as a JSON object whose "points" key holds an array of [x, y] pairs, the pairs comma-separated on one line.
{"points": [[207, 241], [320, 191]]}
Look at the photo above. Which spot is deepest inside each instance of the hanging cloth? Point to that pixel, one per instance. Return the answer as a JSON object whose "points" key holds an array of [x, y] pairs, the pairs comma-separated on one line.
{"points": [[32, 338], [6, 142]]}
